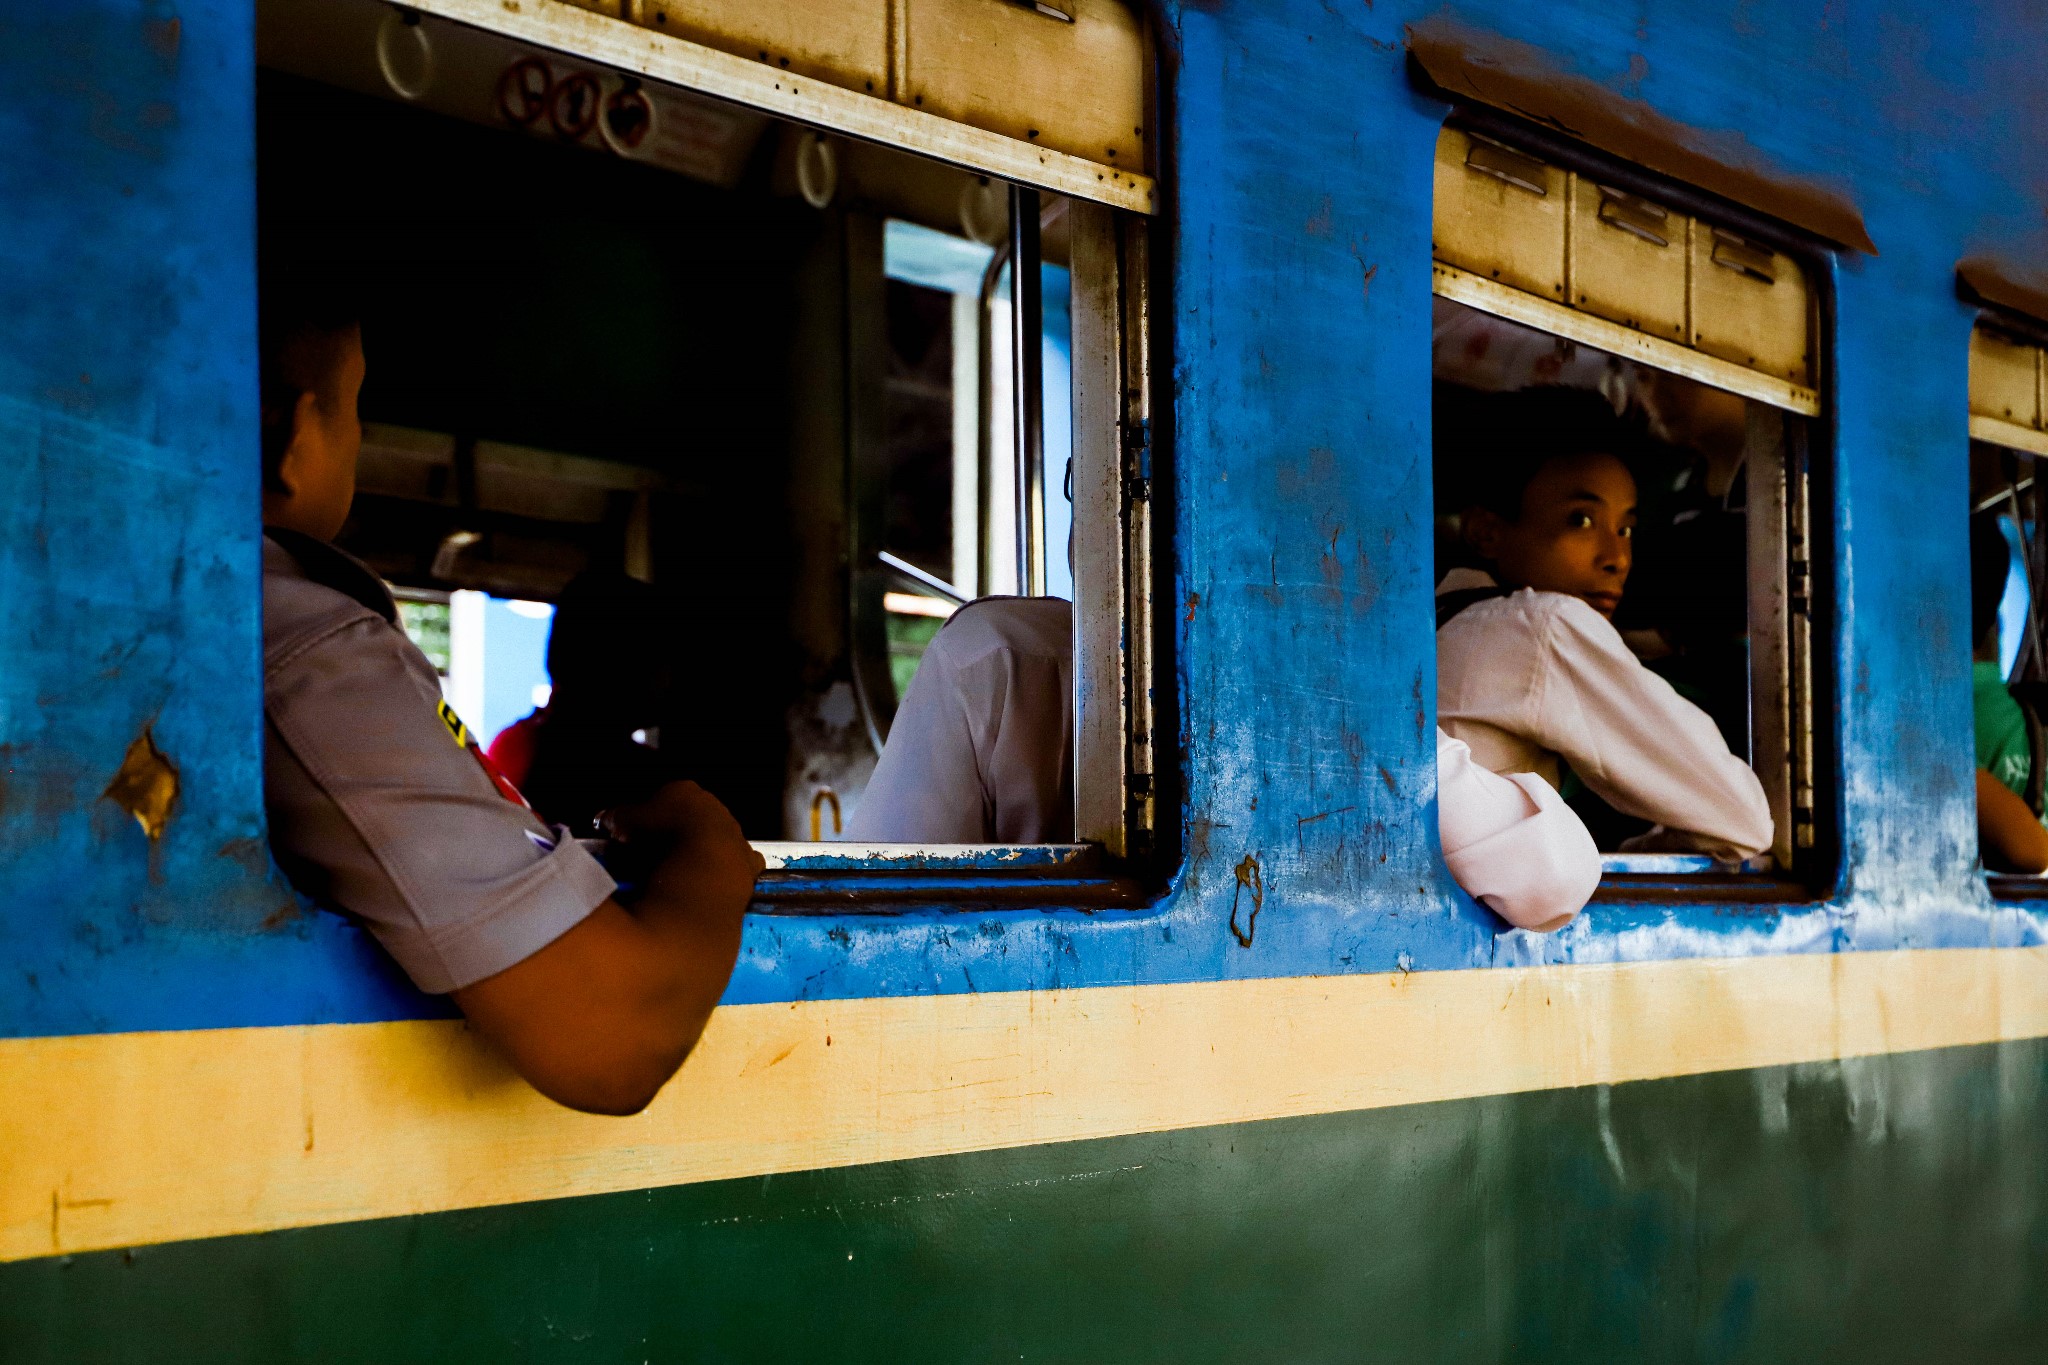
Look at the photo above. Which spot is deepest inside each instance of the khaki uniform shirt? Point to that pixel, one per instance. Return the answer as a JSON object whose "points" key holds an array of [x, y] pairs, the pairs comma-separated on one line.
{"points": [[379, 804], [982, 749]]}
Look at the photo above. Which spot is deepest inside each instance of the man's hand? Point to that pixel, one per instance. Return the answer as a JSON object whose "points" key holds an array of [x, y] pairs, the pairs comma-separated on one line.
{"points": [[683, 831], [600, 1019]]}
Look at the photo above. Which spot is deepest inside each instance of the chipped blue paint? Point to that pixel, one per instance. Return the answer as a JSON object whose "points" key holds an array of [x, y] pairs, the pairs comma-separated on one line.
{"points": [[1298, 200]]}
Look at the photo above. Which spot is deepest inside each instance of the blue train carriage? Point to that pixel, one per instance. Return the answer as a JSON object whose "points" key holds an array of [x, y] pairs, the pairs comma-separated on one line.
{"points": [[739, 298]]}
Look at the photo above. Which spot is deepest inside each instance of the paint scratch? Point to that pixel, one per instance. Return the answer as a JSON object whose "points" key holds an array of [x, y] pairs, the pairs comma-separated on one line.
{"points": [[146, 786], [1249, 878]]}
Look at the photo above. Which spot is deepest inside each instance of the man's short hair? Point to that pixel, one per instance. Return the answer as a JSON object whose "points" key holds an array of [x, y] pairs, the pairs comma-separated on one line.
{"points": [[1490, 445], [304, 316]]}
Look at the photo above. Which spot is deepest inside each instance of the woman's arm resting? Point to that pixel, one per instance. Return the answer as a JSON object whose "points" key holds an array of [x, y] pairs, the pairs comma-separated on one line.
{"points": [[2009, 838]]}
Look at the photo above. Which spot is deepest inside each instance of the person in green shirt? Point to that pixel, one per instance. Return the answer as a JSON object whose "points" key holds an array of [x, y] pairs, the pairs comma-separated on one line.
{"points": [[2009, 835]]}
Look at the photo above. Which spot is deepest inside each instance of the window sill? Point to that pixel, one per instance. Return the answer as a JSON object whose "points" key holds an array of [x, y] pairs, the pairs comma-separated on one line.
{"points": [[1678, 877], [2017, 886], [812, 878]]}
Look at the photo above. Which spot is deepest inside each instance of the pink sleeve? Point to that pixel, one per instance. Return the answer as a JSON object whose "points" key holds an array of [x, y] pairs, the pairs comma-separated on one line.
{"points": [[1511, 841]]}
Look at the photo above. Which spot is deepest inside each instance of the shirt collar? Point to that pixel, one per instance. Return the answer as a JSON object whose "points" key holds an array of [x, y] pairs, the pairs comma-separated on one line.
{"points": [[299, 555], [1464, 580]]}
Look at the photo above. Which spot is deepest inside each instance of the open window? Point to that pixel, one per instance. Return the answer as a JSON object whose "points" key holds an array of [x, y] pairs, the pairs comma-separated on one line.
{"points": [[1554, 270], [811, 353], [2009, 666]]}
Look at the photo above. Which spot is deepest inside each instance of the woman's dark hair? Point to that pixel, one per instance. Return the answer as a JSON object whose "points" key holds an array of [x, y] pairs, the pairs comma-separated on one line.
{"points": [[1990, 563], [607, 623], [1490, 445]]}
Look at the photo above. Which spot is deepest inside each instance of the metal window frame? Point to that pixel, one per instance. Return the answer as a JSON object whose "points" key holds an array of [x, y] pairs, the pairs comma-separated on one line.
{"points": [[2030, 501], [1787, 422], [644, 52], [1112, 522]]}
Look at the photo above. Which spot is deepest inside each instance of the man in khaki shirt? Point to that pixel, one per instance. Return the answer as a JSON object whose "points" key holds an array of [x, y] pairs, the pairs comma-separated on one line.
{"points": [[381, 807]]}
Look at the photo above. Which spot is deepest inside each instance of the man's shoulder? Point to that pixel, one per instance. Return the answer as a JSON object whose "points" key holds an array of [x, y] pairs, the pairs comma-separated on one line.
{"points": [[1040, 627], [303, 603]]}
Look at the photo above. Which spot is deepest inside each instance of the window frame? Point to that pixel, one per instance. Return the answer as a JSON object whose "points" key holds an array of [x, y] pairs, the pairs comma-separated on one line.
{"points": [[1113, 524], [2025, 441], [1788, 422]]}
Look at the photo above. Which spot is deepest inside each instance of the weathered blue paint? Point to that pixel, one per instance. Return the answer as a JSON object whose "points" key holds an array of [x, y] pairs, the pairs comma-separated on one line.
{"points": [[1299, 202]]}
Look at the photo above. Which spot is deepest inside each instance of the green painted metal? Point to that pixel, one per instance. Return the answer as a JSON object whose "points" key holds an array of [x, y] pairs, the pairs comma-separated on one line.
{"points": [[1870, 1211]]}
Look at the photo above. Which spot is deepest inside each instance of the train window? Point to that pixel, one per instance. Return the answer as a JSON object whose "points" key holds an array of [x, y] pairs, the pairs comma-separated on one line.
{"points": [[761, 403], [1699, 337], [2009, 669]]}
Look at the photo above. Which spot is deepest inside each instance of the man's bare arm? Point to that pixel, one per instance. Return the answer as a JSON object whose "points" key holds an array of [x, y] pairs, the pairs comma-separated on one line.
{"points": [[601, 1018]]}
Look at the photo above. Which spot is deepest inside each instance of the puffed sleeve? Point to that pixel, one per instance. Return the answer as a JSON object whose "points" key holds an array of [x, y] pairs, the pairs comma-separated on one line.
{"points": [[1511, 841]]}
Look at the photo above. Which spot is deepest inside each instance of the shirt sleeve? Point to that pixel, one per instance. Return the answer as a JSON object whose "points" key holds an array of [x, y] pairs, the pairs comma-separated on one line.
{"points": [[927, 785], [377, 808], [1511, 842], [1630, 737]]}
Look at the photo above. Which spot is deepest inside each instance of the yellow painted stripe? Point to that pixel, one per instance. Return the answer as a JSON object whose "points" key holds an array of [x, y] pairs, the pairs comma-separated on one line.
{"points": [[125, 1139]]}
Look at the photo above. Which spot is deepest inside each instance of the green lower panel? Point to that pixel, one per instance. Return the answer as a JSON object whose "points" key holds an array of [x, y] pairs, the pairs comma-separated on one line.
{"points": [[1883, 1210]]}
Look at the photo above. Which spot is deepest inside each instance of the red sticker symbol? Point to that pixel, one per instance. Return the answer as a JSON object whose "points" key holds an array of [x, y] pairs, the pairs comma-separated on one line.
{"points": [[574, 106], [523, 91]]}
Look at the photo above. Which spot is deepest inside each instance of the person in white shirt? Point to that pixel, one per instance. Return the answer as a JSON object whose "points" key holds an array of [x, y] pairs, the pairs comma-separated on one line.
{"points": [[982, 752], [1530, 669], [982, 748]]}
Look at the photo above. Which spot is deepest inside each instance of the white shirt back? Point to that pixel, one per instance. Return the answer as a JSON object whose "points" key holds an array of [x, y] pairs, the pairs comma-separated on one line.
{"points": [[981, 750]]}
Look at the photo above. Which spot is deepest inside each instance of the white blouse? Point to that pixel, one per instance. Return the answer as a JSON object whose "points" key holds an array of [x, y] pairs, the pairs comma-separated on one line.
{"points": [[1532, 677]]}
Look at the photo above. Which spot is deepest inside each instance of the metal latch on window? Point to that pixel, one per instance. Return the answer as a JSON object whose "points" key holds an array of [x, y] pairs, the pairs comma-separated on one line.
{"points": [[1637, 217], [1503, 163], [1063, 10], [1744, 258]]}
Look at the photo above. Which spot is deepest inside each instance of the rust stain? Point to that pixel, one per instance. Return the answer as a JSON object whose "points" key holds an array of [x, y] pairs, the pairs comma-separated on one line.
{"points": [[1194, 600], [164, 37], [1249, 878], [1319, 225], [146, 785]]}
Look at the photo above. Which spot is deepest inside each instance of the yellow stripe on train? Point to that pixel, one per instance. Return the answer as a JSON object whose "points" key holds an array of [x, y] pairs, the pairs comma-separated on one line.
{"points": [[125, 1139]]}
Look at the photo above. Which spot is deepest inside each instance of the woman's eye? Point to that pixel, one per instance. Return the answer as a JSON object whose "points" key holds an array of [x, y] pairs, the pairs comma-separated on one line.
{"points": [[1579, 521], [1628, 533]]}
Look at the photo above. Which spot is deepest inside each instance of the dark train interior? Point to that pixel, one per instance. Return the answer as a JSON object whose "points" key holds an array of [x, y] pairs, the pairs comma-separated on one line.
{"points": [[761, 371]]}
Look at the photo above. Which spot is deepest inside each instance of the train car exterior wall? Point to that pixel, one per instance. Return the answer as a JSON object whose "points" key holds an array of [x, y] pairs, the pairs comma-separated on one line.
{"points": [[1312, 1103]]}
